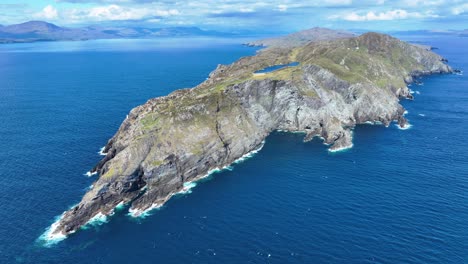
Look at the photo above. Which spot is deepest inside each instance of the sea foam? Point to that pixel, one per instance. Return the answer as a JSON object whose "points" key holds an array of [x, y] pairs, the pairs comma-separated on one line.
{"points": [[138, 213], [373, 123], [96, 220], [405, 127], [50, 237], [250, 154], [342, 149], [90, 174], [101, 151]]}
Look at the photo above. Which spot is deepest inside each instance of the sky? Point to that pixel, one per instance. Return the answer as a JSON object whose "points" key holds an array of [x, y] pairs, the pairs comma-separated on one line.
{"points": [[244, 15]]}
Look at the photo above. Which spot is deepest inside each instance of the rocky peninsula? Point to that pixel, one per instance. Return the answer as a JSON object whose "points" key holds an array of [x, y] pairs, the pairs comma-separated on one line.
{"points": [[172, 140]]}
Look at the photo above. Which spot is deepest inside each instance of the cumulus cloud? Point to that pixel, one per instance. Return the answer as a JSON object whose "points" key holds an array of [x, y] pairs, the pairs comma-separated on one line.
{"points": [[48, 12], [282, 8], [419, 3], [271, 14], [337, 2], [116, 12], [383, 16], [458, 10]]}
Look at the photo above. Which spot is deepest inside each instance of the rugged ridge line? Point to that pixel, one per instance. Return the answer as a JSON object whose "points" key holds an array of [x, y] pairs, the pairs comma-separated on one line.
{"points": [[178, 138]]}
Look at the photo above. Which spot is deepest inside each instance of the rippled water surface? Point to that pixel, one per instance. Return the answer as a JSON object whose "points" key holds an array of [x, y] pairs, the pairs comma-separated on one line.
{"points": [[396, 197]]}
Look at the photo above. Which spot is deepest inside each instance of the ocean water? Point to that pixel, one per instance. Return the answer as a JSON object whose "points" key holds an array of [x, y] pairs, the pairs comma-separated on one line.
{"points": [[398, 196]]}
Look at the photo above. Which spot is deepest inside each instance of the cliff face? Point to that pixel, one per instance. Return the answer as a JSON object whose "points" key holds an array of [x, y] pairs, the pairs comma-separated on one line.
{"points": [[171, 140]]}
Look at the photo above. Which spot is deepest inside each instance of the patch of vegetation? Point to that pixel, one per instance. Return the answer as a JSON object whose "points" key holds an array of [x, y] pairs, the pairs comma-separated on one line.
{"points": [[157, 163], [150, 121], [110, 173]]}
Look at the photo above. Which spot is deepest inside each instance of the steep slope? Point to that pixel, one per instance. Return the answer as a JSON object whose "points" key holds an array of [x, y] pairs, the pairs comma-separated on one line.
{"points": [[178, 138]]}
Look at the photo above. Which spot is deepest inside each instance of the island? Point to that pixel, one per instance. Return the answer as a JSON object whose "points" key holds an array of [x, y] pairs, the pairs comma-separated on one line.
{"points": [[324, 90]]}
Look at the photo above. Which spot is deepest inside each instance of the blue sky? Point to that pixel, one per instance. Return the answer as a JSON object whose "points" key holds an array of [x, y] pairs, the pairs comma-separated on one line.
{"points": [[266, 16]]}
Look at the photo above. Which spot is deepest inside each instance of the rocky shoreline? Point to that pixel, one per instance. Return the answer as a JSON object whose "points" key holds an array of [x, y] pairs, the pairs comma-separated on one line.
{"points": [[179, 138]]}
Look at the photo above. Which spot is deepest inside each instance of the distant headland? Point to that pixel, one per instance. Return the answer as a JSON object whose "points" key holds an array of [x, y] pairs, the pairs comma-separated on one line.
{"points": [[34, 31]]}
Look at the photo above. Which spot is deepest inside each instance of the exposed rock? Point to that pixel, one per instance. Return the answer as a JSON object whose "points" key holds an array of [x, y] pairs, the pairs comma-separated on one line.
{"points": [[174, 139]]}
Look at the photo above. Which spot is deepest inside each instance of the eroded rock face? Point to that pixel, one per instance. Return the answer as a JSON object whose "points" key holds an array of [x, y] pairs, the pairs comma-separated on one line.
{"points": [[177, 138]]}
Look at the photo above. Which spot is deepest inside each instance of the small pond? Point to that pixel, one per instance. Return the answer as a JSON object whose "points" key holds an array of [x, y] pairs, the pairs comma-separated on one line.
{"points": [[277, 67]]}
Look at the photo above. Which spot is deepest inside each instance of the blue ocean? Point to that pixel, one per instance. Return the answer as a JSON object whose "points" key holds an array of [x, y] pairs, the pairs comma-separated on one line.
{"points": [[398, 196]]}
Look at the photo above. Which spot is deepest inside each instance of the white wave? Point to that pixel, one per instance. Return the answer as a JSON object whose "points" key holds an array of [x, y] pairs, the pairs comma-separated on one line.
{"points": [[51, 237], [101, 151], [459, 73], [411, 92], [138, 213], [421, 115], [417, 92], [119, 206], [341, 149], [373, 123], [90, 174], [96, 220], [188, 186], [405, 112], [250, 154], [405, 127]]}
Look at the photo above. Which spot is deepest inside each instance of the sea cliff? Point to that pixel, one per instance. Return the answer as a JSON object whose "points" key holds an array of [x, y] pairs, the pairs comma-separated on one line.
{"points": [[172, 140]]}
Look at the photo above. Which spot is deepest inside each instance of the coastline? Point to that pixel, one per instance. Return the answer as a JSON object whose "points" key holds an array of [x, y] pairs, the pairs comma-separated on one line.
{"points": [[289, 108], [189, 185]]}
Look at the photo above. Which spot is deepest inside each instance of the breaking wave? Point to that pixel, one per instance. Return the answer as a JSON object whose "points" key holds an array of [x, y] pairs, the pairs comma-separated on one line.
{"points": [[101, 151]]}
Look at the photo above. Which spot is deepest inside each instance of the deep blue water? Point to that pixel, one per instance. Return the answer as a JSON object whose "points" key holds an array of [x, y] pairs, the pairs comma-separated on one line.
{"points": [[396, 197], [277, 67]]}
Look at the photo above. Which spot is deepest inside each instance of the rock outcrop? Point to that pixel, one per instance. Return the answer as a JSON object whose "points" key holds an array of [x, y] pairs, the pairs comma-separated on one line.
{"points": [[178, 138]]}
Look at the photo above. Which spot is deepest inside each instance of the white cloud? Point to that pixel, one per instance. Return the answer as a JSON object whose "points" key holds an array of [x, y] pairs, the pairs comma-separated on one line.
{"points": [[419, 3], [460, 9], [116, 12], [246, 10], [282, 8], [336, 2], [49, 12], [382, 16]]}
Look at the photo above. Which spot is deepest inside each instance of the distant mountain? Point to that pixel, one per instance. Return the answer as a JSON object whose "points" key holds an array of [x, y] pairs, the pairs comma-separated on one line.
{"points": [[464, 33], [42, 31], [460, 33], [302, 37]]}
